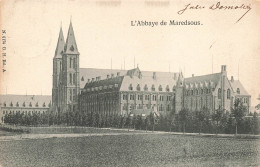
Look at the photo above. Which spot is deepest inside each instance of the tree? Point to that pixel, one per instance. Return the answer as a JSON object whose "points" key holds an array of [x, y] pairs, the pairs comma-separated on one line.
{"points": [[217, 116], [147, 123], [238, 112], [255, 123], [183, 116]]}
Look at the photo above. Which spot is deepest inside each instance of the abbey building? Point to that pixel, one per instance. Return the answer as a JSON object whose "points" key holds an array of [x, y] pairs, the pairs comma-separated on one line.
{"points": [[135, 91]]}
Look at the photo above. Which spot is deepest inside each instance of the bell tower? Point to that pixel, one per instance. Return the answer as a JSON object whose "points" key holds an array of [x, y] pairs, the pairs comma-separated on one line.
{"points": [[57, 68], [70, 72]]}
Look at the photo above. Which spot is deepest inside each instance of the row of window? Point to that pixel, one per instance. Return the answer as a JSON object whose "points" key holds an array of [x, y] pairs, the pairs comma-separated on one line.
{"points": [[102, 87], [147, 97], [24, 105], [138, 88], [23, 112], [160, 107], [197, 92]]}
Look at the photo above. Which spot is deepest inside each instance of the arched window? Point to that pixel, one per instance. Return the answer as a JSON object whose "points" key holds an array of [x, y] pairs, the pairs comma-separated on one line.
{"points": [[70, 62], [197, 91], [74, 78], [228, 94], [70, 78], [138, 87], [191, 92], [153, 88], [160, 88], [238, 91], [201, 91], [74, 62], [219, 93]]}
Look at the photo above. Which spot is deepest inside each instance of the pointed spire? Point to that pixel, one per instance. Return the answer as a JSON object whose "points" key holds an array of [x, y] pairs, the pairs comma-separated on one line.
{"points": [[60, 45], [71, 46]]}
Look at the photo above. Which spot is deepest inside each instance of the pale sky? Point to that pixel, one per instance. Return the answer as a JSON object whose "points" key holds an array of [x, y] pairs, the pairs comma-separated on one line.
{"points": [[103, 31]]}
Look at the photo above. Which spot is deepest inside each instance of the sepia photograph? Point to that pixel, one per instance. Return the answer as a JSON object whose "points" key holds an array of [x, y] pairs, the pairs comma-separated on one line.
{"points": [[148, 83]]}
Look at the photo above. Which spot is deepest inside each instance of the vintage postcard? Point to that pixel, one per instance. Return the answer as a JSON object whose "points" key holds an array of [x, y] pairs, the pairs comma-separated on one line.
{"points": [[130, 83]]}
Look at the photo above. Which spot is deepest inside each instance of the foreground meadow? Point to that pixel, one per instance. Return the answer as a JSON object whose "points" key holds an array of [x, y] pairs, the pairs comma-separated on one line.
{"points": [[131, 150]]}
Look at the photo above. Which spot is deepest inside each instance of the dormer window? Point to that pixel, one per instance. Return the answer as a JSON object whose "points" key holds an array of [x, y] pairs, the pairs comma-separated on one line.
{"points": [[145, 88], [37, 105], [138, 87], [4, 104], [23, 104], [153, 88], [11, 104], [44, 105], [167, 88], [238, 91], [160, 88], [30, 104], [17, 104], [130, 87]]}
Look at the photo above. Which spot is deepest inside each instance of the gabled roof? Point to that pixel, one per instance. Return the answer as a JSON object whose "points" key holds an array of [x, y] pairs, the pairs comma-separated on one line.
{"points": [[60, 45], [71, 46], [25, 99], [237, 84]]}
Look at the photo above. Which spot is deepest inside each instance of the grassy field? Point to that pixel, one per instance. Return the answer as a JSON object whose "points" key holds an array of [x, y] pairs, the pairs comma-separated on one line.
{"points": [[131, 150]]}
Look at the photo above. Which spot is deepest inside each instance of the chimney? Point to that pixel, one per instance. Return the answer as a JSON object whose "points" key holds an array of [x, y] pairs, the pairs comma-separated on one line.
{"points": [[154, 75], [232, 79], [118, 74], [223, 69], [93, 79], [107, 76], [88, 80], [112, 75], [192, 75]]}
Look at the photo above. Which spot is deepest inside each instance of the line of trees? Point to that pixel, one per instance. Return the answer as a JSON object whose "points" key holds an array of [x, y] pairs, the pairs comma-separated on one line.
{"points": [[201, 121]]}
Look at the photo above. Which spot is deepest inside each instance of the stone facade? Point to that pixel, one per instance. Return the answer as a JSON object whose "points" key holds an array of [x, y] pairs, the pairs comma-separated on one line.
{"points": [[111, 91]]}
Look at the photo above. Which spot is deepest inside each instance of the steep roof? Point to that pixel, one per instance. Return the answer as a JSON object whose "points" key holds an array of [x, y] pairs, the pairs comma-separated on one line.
{"points": [[71, 46], [26, 99], [237, 84], [210, 77], [149, 82], [60, 45], [114, 83], [89, 73], [204, 79]]}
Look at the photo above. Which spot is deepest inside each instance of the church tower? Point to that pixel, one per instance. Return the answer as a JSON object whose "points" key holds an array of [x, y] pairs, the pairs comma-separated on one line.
{"points": [[57, 68], [70, 73], [179, 94]]}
